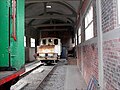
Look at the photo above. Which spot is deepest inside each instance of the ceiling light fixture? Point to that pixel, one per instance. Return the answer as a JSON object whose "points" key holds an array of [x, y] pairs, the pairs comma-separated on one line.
{"points": [[49, 6]]}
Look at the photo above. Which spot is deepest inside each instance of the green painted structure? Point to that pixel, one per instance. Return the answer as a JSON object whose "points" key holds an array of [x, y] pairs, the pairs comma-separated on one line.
{"points": [[11, 51]]}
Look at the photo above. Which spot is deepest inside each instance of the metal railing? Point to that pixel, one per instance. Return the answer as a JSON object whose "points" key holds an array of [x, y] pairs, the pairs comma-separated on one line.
{"points": [[93, 84]]}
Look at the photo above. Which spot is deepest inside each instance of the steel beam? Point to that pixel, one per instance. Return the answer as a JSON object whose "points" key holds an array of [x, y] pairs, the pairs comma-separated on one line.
{"points": [[53, 29], [51, 25], [50, 16], [37, 1]]}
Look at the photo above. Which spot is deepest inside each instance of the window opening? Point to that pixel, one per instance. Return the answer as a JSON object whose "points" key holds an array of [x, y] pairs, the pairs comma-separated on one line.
{"points": [[56, 41], [44, 41], [32, 42], [89, 33]]}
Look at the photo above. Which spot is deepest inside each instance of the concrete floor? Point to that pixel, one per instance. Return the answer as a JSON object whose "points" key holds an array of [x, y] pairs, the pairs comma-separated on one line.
{"points": [[74, 79]]}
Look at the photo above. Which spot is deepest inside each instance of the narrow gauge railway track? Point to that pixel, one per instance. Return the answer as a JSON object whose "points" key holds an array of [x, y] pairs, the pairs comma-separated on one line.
{"points": [[32, 80], [26, 73], [55, 79]]}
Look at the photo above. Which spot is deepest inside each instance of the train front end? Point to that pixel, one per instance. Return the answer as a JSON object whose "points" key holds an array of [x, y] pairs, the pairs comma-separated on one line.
{"points": [[49, 50], [47, 53]]}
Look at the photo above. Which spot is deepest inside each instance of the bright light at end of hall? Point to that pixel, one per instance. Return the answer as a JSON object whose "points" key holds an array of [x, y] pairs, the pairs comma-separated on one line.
{"points": [[48, 6]]}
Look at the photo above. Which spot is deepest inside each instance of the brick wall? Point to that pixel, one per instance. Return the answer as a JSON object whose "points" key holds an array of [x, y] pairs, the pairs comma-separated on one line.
{"points": [[111, 57], [78, 50], [90, 61], [111, 43], [87, 54], [88, 58], [109, 14], [63, 35]]}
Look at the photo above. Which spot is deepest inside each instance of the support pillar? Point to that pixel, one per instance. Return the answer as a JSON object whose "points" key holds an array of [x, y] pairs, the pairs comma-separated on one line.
{"points": [[100, 43]]}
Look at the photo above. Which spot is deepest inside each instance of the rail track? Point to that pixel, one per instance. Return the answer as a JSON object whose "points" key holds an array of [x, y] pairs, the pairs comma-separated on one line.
{"points": [[43, 77], [32, 79], [55, 79]]}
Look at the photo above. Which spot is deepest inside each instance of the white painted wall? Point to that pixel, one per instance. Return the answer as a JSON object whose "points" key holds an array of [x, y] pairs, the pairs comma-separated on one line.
{"points": [[31, 53]]}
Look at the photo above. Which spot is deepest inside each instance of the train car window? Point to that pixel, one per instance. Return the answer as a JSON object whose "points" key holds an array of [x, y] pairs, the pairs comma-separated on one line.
{"points": [[49, 40], [56, 41], [44, 41]]}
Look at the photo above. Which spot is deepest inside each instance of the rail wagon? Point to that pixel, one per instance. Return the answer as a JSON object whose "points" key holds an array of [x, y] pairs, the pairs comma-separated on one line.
{"points": [[11, 42], [49, 50]]}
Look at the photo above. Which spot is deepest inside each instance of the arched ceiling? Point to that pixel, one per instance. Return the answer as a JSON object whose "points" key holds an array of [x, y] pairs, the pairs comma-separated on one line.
{"points": [[41, 14]]}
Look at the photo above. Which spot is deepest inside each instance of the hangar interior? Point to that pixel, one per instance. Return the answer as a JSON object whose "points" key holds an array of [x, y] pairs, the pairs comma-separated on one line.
{"points": [[89, 31], [87, 28], [50, 18]]}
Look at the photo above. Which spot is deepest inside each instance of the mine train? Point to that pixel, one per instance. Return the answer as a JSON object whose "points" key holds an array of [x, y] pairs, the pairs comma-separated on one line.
{"points": [[11, 42], [49, 50]]}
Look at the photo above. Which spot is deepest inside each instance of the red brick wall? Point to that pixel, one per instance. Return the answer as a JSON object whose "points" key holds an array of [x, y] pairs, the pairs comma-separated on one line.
{"points": [[111, 45], [90, 61], [63, 35], [87, 56], [111, 56], [88, 51], [78, 49], [109, 14]]}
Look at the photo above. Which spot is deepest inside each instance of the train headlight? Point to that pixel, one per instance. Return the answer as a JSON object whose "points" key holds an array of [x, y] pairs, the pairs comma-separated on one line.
{"points": [[50, 55], [42, 55]]}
